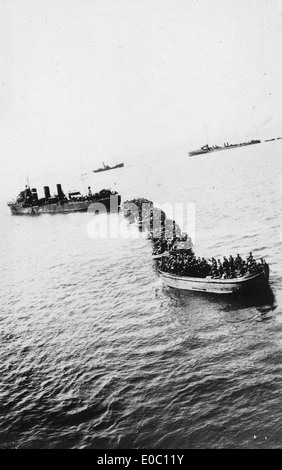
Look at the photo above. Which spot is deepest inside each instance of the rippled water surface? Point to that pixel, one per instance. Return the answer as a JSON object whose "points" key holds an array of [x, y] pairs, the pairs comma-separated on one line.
{"points": [[96, 353]]}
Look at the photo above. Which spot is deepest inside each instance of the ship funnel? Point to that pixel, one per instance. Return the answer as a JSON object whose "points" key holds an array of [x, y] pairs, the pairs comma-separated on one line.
{"points": [[47, 192], [34, 195], [60, 192]]}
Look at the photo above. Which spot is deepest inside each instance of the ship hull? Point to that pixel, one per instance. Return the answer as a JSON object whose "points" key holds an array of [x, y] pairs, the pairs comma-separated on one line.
{"points": [[110, 204], [120, 165]]}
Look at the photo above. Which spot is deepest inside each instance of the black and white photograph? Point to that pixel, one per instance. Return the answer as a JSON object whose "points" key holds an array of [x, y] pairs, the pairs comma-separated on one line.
{"points": [[141, 227]]}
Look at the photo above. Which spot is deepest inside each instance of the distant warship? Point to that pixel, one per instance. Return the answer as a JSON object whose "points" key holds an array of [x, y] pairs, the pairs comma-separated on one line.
{"points": [[107, 167], [215, 148], [28, 203]]}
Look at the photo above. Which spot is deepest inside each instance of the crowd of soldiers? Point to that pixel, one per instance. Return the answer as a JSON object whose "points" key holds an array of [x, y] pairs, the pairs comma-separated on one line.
{"points": [[185, 263], [164, 245], [177, 249], [151, 219]]}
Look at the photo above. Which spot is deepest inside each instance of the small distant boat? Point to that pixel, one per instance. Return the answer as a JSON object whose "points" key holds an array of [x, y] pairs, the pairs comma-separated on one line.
{"points": [[244, 284], [107, 167], [270, 140]]}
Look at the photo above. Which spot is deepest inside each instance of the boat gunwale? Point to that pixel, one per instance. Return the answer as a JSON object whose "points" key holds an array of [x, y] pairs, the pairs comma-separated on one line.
{"points": [[213, 280]]}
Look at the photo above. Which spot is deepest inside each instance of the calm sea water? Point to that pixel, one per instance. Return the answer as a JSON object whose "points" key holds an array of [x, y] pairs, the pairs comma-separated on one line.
{"points": [[95, 353]]}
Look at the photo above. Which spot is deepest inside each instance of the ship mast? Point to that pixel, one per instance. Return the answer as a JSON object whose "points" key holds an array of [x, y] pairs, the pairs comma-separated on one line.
{"points": [[83, 174]]}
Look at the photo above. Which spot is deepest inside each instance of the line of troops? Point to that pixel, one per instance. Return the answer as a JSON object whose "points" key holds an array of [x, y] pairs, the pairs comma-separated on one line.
{"points": [[184, 262], [151, 218], [162, 244]]}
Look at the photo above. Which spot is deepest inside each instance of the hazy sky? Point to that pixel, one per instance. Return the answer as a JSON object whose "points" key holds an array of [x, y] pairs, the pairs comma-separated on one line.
{"points": [[92, 80]]}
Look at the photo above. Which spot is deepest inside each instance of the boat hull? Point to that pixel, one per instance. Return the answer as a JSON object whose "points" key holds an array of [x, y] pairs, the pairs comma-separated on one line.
{"points": [[107, 168], [245, 284], [110, 203], [161, 255]]}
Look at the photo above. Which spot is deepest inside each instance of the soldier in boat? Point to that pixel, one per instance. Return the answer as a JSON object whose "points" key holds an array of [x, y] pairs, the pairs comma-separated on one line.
{"points": [[225, 266], [214, 271], [220, 268], [243, 268], [232, 266], [205, 266], [238, 261], [252, 266]]}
